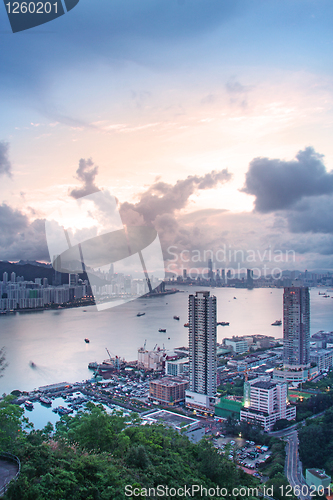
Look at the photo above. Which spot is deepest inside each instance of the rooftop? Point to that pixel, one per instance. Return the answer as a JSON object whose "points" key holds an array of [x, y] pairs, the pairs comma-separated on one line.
{"points": [[173, 419], [321, 474], [264, 385], [170, 381]]}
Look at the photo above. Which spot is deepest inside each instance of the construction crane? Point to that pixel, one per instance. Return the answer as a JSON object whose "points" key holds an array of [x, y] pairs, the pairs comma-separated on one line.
{"points": [[144, 345], [155, 347]]}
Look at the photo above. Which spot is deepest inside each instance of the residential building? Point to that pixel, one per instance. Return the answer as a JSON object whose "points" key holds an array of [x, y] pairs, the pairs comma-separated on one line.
{"points": [[168, 390], [296, 327], [265, 402], [202, 350]]}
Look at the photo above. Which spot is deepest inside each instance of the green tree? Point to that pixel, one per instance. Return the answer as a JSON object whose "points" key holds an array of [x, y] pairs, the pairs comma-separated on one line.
{"points": [[11, 424]]}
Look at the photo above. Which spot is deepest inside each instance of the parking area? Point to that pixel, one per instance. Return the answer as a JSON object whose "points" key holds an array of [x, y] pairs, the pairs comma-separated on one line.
{"points": [[246, 454]]}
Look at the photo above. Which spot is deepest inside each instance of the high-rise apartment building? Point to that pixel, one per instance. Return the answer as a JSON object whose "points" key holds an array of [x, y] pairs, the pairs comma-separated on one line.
{"points": [[296, 327], [202, 350]]}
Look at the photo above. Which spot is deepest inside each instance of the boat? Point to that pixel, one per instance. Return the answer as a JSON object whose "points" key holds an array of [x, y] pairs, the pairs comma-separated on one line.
{"points": [[32, 364], [176, 317], [45, 401], [187, 325], [141, 314], [235, 297], [29, 405], [278, 322], [168, 338], [93, 365], [222, 323], [162, 330], [87, 341]]}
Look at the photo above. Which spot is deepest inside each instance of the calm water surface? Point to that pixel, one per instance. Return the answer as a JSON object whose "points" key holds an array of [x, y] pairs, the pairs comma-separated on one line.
{"points": [[54, 340]]}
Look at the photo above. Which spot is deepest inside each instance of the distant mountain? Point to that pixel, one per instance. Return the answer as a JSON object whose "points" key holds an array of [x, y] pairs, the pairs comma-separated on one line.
{"points": [[33, 263], [33, 269], [29, 271]]}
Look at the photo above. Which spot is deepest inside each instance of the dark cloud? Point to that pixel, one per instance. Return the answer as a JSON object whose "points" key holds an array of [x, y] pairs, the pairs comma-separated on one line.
{"points": [[5, 166], [20, 238], [162, 198], [86, 173], [312, 215], [280, 184]]}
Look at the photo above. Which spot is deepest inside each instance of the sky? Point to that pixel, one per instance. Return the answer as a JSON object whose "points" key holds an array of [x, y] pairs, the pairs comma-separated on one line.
{"points": [[210, 120]]}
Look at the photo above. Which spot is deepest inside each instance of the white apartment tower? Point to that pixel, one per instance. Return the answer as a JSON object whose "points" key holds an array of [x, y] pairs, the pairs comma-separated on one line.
{"points": [[202, 350], [265, 402]]}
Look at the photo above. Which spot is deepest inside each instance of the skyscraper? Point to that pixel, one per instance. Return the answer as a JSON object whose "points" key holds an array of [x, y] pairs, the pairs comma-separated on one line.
{"points": [[202, 350], [296, 327], [210, 269]]}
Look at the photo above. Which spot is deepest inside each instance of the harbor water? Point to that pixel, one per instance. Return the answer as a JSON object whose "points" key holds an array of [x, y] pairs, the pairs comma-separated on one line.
{"points": [[48, 347]]}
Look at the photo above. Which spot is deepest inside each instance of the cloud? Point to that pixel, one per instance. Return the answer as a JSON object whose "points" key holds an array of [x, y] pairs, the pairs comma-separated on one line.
{"points": [[280, 184], [86, 173], [5, 166], [19, 237], [312, 215], [162, 198]]}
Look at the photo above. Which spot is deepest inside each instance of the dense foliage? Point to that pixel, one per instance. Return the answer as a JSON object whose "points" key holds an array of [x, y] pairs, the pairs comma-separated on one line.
{"points": [[94, 456], [313, 405], [316, 442]]}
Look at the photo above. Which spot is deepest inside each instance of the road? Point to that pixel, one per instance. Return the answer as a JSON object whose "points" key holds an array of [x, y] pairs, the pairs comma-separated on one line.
{"points": [[293, 464]]}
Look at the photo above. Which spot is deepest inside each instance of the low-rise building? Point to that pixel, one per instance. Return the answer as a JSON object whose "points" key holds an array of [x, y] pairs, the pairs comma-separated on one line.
{"points": [[238, 344], [317, 478], [186, 425], [177, 367], [294, 376], [168, 390], [322, 357]]}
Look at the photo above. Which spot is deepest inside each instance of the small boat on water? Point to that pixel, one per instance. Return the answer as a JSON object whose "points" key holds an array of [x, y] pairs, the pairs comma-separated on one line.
{"points": [[32, 364], [162, 330], [176, 317], [187, 325], [93, 365], [87, 341], [223, 323], [29, 405], [45, 401], [141, 314], [278, 322]]}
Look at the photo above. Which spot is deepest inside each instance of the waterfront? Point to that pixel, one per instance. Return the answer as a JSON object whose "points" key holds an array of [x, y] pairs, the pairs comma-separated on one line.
{"points": [[54, 340]]}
